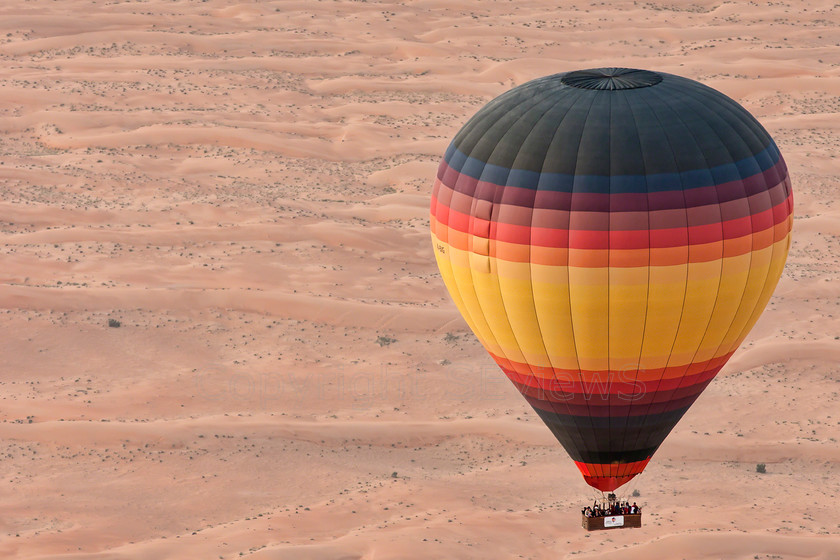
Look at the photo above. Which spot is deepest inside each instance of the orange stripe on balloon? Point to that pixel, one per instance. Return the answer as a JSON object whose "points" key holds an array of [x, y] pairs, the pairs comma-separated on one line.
{"points": [[542, 374], [668, 256]]}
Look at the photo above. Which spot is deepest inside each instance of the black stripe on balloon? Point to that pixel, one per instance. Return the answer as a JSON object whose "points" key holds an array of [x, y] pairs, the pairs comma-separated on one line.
{"points": [[698, 103], [606, 435]]}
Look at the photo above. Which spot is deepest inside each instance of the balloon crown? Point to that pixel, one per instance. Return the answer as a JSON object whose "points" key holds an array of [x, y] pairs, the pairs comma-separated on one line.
{"points": [[611, 78]]}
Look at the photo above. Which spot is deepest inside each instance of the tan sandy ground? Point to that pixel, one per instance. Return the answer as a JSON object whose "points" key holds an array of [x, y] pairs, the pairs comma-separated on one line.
{"points": [[245, 188]]}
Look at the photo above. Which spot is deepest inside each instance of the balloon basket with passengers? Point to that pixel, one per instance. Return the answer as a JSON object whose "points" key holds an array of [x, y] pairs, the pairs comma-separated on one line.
{"points": [[611, 236], [611, 513]]}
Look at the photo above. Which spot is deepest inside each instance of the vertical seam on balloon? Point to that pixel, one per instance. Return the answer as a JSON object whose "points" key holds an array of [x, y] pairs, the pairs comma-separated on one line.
{"points": [[490, 114], [545, 93], [647, 297], [743, 291], [458, 288], [732, 112], [739, 114], [609, 277], [757, 308], [498, 280], [490, 329], [720, 274], [436, 204], [688, 260], [582, 438], [445, 230], [536, 102], [568, 268], [530, 267], [462, 289]]}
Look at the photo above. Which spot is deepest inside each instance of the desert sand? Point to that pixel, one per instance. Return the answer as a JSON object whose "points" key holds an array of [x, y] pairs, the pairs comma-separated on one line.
{"points": [[244, 188]]}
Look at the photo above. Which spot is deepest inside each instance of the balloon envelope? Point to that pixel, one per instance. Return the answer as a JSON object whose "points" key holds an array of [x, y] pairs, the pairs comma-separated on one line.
{"points": [[611, 236]]}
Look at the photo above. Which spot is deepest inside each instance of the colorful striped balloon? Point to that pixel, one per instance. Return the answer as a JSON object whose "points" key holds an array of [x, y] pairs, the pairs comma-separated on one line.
{"points": [[611, 236]]}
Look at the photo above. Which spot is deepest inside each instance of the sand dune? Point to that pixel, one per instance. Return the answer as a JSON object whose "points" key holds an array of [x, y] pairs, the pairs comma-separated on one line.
{"points": [[243, 189]]}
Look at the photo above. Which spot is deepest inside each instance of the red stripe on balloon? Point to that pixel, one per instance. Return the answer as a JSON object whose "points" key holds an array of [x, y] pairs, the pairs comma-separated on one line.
{"points": [[621, 240], [528, 374], [608, 477], [636, 392]]}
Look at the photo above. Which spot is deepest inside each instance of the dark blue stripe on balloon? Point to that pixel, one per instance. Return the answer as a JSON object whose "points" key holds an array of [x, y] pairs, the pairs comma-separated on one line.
{"points": [[603, 184]]}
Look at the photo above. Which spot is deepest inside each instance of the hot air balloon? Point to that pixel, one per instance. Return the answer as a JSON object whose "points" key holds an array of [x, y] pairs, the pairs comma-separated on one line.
{"points": [[611, 236]]}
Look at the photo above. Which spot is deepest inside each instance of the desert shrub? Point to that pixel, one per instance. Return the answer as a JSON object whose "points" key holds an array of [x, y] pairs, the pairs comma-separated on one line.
{"points": [[761, 468], [114, 324], [451, 338]]}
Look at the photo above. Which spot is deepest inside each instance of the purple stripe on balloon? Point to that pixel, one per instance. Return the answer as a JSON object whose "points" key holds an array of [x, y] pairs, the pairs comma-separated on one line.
{"points": [[538, 216], [602, 202]]}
